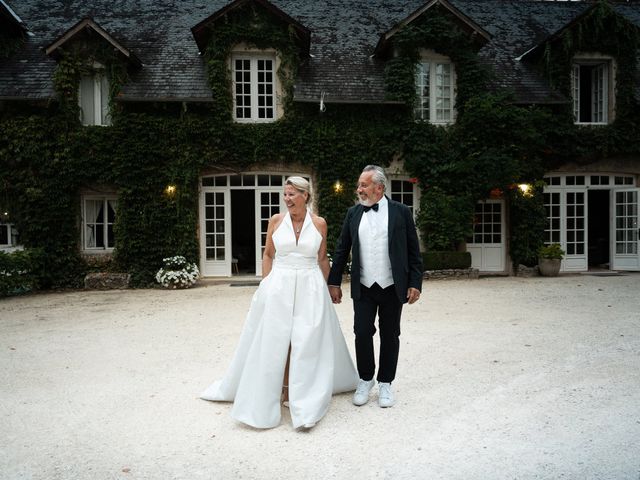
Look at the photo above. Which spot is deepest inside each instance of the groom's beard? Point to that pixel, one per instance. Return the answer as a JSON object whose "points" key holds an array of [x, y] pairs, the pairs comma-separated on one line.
{"points": [[367, 201]]}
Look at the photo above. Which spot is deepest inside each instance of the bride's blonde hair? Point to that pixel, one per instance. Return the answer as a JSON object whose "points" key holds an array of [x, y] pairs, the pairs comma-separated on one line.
{"points": [[301, 185]]}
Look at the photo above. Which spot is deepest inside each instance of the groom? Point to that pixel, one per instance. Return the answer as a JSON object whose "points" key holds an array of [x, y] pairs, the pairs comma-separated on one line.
{"points": [[386, 272]]}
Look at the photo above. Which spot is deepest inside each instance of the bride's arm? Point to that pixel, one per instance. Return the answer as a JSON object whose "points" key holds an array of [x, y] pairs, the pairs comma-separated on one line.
{"points": [[323, 260]]}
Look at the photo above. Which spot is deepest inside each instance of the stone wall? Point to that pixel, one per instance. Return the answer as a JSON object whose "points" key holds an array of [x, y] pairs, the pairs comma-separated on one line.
{"points": [[524, 271], [452, 274], [106, 280]]}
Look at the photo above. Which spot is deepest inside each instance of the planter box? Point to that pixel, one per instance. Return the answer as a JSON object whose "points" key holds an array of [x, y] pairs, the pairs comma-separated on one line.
{"points": [[549, 267]]}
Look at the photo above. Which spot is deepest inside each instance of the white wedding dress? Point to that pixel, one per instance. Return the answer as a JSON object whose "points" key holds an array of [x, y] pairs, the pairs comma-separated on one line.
{"points": [[292, 306]]}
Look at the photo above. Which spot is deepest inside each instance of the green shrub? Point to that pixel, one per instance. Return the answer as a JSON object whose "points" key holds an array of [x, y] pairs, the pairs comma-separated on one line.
{"points": [[446, 260], [551, 251], [18, 271]]}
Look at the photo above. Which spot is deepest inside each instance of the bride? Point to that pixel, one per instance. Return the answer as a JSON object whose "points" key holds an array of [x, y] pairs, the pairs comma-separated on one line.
{"points": [[291, 347]]}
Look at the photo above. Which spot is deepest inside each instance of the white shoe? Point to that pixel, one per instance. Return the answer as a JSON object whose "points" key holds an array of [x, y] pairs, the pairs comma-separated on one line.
{"points": [[362, 391], [385, 395]]}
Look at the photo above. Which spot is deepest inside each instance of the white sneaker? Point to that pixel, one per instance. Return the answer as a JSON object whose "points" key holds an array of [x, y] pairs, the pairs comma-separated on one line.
{"points": [[362, 391], [385, 395]]}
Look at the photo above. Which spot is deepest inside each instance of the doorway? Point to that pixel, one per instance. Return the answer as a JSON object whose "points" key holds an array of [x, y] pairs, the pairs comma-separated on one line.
{"points": [[599, 227], [243, 232]]}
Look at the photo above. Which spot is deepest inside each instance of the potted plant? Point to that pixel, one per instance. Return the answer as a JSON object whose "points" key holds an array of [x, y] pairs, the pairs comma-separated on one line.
{"points": [[177, 273], [549, 259]]}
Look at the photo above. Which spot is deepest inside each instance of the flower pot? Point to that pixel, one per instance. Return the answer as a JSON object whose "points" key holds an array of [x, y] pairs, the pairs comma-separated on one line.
{"points": [[549, 267]]}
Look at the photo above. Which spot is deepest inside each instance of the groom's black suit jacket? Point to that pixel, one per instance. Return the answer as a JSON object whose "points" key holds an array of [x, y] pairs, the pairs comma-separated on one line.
{"points": [[404, 250]]}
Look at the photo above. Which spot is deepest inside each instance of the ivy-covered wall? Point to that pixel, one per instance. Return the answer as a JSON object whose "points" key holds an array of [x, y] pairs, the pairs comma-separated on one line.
{"points": [[47, 158]]}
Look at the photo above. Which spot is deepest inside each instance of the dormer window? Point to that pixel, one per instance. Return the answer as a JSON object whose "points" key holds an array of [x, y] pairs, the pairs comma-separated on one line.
{"points": [[254, 88], [435, 90], [93, 98], [592, 91], [93, 91]]}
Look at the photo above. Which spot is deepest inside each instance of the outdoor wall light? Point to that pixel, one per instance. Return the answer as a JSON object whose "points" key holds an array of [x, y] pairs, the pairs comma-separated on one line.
{"points": [[525, 188], [337, 187], [170, 191]]}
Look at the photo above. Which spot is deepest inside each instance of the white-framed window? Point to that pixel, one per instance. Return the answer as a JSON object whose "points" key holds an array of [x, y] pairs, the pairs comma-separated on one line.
{"points": [[487, 223], [435, 91], [405, 190], [254, 88], [93, 97], [8, 235], [98, 218], [592, 91]]}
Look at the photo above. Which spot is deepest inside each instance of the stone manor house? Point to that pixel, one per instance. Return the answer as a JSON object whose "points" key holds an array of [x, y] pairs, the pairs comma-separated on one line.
{"points": [[344, 49]]}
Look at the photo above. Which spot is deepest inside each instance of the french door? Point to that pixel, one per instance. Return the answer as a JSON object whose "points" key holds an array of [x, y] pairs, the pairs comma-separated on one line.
{"points": [[487, 244], [215, 236], [269, 201], [216, 239], [626, 251], [575, 231]]}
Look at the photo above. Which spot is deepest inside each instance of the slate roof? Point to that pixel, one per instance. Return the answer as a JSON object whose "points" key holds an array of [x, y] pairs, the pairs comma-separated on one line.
{"points": [[9, 19], [83, 28], [344, 34]]}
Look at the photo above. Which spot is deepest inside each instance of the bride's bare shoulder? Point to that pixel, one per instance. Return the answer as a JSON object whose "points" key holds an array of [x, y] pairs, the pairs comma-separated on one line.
{"points": [[276, 220], [319, 222]]}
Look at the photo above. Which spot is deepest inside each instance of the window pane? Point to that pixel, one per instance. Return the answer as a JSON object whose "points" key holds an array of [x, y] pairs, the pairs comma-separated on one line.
{"points": [[4, 234], [265, 89], [422, 91], [93, 223], [86, 99], [105, 116]]}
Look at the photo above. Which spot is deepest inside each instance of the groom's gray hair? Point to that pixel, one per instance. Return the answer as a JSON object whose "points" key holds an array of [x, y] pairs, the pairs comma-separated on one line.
{"points": [[378, 174]]}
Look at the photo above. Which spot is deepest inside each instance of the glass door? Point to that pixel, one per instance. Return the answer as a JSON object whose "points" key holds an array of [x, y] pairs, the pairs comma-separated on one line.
{"points": [[215, 242], [269, 201], [625, 226], [487, 245], [575, 231]]}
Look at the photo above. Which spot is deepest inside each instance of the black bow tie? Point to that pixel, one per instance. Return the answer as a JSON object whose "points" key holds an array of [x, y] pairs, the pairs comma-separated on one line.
{"points": [[374, 207]]}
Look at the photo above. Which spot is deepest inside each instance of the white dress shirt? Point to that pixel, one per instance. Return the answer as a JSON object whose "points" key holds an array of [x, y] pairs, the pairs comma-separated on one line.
{"points": [[373, 233]]}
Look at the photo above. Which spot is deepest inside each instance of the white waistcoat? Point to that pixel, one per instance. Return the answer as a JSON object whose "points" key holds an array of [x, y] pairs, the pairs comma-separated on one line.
{"points": [[373, 234]]}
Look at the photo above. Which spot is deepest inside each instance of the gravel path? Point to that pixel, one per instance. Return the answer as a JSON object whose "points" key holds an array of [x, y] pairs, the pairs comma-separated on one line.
{"points": [[499, 378]]}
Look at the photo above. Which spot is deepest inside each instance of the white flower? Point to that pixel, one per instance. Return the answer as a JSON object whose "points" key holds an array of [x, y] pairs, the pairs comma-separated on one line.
{"points": [[177, 273]]}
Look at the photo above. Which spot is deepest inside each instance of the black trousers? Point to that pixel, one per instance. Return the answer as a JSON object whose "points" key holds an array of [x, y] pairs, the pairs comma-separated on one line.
{"points": [[385, 303]]}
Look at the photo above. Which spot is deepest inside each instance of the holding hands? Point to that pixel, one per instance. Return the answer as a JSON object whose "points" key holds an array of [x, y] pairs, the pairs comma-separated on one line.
{"points": [[335, 293]]}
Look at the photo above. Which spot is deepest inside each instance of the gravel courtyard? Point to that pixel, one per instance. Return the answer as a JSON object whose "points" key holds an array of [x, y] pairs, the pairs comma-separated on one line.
{"points": [[499, 378]]}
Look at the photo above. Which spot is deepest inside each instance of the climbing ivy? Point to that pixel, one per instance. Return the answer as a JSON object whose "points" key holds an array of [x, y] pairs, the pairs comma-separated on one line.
{"points": [[460, 164], [77, 61], [48, 158], [604, 31], [256, 28]]}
